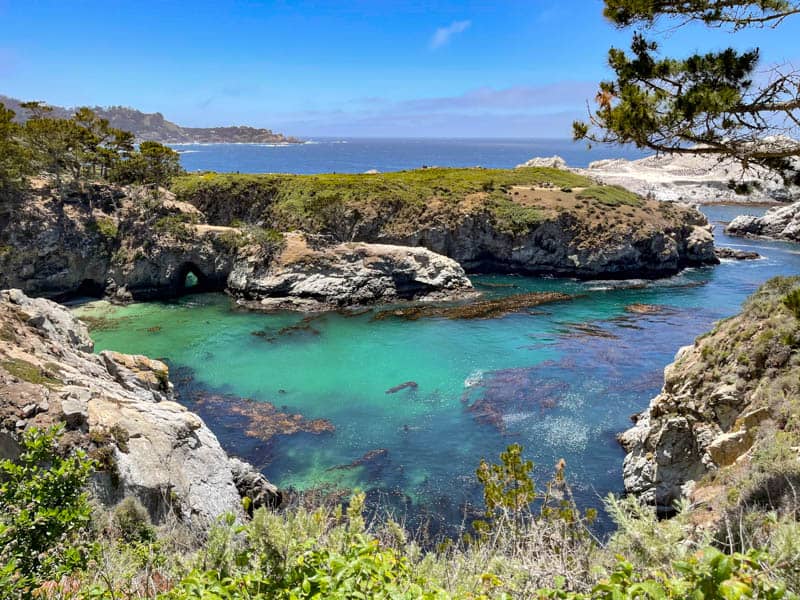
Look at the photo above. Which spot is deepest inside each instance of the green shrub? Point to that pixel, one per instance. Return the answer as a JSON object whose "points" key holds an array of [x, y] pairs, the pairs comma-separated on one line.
{"points": [[132, 521], [792, 302], [610, 195], [708, 575], [175, 225], [29, 372], [105, 226], [44, 511]]}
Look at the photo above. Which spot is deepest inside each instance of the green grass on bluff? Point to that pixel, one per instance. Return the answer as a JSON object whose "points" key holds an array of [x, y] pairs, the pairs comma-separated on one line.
{"points": [[517, 198]]}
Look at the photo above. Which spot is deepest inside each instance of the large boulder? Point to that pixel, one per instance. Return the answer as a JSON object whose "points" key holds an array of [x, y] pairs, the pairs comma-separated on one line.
{"points": [[782, 223], [120, 408], [314, 271]]}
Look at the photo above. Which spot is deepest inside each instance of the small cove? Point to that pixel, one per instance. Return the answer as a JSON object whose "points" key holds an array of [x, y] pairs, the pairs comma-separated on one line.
{"points": [[562, 379]]}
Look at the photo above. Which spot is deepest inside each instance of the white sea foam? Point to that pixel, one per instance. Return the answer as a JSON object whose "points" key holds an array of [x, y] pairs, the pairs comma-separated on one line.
{"points": [[475, 378]]}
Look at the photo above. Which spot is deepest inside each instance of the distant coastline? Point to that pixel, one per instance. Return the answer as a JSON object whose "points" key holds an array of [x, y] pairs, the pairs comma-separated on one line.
{"points": [[154, 127]]}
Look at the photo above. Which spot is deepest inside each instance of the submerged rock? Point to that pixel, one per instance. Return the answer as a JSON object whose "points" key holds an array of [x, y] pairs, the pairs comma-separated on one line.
{"points": [[486, 309], [261, 420], [313, 272], [781, 223], [408, 385], [120, 408], [732, 253]]}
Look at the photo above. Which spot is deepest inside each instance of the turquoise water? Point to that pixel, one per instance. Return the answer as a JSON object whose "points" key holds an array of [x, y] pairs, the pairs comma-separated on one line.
{"points": [[561, 379]]}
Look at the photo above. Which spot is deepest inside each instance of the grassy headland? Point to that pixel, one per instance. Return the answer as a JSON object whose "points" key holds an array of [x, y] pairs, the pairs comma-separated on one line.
{"points": [[516, 198]]}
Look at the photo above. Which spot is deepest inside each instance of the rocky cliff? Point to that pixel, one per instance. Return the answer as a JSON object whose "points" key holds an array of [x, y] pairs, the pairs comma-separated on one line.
{"points": [[781, 223], [726, 426], [120, 408], [536, 220], [129, 243]]}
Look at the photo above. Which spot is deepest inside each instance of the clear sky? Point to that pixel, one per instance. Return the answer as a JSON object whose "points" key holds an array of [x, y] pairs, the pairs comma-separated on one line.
{"points": [[502, 68]]}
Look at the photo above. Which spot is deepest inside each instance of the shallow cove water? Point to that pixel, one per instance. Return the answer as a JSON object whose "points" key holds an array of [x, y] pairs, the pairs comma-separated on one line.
{"points": [[561, 379]]}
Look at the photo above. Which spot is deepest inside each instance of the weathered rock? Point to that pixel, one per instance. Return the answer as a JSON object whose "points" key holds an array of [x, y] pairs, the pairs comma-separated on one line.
{"points": [[107, 240], [553, 162], [717, 396], [732, 253], [116, 406], [252, 484], [696, 178], [782, 223], [311, 268]]}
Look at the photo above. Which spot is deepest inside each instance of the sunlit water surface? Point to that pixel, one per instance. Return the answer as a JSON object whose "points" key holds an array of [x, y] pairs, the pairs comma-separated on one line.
{"points": [[562, 379]]}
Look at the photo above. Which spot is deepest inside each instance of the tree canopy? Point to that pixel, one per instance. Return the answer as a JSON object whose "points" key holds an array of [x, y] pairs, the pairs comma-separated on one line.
{"points": [[82, 148], [721, 102]]}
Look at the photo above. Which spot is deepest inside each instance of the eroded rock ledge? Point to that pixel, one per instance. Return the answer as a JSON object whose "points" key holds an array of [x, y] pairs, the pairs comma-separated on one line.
{"points": [[726, 397], [118, 407], [135, 243], [313, 272], [780, 223]]}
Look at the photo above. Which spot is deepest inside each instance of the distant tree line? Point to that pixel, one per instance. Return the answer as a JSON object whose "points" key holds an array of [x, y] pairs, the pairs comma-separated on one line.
{"points": [[79, 149]]}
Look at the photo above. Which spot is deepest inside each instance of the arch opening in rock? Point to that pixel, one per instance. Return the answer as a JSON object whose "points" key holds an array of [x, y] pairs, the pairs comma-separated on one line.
{"points": [[89, 288], [190, 280]]}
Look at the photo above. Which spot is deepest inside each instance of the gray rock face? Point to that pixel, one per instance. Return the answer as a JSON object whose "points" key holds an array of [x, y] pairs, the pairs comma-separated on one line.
{"points": [[552, 162], [312, 270], [565, 247], [716, 395], [121, 242], [117, 406], [781, 223], [734, 254]]}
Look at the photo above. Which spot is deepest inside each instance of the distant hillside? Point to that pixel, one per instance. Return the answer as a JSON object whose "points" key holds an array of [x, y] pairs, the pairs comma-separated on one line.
{"points": [[153, 126]]}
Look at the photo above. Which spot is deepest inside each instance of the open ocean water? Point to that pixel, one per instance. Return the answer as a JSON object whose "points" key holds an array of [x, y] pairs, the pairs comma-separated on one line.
{"points": [[357, 155]]}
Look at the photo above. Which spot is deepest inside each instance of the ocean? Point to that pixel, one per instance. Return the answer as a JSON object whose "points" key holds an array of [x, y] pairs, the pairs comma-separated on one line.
{"points": [[357, 155]]}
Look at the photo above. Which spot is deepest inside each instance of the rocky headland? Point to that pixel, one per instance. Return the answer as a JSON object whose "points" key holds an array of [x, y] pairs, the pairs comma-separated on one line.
{"points": [[534, 221], [118, 408], [131, 243], [154, 127], [358, 239], [724, 432], [694, 178]]}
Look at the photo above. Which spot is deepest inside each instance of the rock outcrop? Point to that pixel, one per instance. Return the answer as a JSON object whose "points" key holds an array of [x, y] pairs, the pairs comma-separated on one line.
{"points": [[539, 227], [120, 408], [734, 254], [137, 243], [694, 178], [780, 223], [722, 397], [314, 272], [122, 242]]}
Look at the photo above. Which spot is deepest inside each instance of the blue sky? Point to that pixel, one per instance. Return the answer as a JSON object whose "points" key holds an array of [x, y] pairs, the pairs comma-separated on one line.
{"points": [[505, 68]]}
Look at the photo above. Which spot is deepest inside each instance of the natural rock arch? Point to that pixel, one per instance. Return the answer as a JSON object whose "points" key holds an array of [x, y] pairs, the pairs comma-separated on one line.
{"points": [[190, 279]]}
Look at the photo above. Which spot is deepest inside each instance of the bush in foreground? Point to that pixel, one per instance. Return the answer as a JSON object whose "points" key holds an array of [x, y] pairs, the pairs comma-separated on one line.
{"points": [[532, 543]]}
